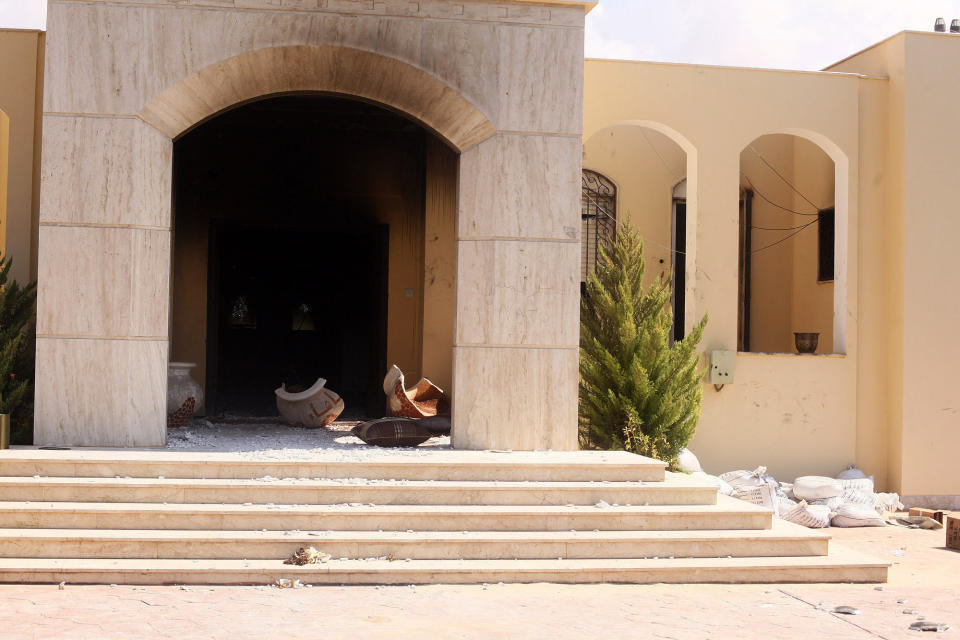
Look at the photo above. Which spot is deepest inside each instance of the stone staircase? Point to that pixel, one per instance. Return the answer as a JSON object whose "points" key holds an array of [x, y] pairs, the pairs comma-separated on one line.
{"points": [[164, 517]]}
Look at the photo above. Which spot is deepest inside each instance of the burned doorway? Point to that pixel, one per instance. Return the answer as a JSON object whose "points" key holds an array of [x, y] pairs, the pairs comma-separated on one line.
{"points": [[299, 250]]}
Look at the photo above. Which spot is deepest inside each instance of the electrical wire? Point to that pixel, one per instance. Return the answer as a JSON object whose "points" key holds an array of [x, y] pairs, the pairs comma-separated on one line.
{"points": [[799, 226], [673, 173], [789, 184], [785, 238], [778, 206]]}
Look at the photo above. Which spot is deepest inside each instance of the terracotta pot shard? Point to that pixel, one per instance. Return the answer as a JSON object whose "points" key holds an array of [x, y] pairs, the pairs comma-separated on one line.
{"points": [[423, 400]]}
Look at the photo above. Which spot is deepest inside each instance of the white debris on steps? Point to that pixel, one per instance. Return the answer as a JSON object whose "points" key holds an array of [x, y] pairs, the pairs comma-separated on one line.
{"points": [[849, 500], [276, 441]]}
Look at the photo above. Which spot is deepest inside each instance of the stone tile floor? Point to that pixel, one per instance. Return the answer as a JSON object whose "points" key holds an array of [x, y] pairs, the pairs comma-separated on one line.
{"points": [[924, 575]]}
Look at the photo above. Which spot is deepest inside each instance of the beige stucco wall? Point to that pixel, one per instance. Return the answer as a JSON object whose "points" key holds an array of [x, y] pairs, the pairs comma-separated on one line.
{"points": [[923, 191], [439, 264], [500, 81], [4, 171], [21, 78], [772, 273], [795, 414], [881, 373]]}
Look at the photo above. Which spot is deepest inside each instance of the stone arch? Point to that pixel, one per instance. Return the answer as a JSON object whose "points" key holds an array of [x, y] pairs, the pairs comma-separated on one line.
{"points": [[331, 69]]}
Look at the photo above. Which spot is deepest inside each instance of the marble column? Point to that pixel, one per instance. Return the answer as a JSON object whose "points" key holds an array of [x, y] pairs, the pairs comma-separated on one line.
{"points": [[103, 282], [518, 255]]}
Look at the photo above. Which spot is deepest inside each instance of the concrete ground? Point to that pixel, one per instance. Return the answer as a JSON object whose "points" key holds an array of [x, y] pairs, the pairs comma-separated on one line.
{"points": [[925, 578]]}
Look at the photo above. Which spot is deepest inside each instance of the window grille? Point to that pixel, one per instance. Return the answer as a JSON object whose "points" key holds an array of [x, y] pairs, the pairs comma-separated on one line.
{"points": [[598, 216]]}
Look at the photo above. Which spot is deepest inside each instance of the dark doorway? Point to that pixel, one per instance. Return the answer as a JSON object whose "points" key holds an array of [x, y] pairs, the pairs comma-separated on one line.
{"points": [[293, 216], [679, 267], [281, 318]]}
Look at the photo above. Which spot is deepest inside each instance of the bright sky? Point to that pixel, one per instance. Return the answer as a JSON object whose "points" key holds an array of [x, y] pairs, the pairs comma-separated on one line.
{"points": [[784, 34], [779, 34], [23, 14]]}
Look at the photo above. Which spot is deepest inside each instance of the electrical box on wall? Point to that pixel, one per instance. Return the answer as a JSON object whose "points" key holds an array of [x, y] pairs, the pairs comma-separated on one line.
{"points": [[721, 366]]}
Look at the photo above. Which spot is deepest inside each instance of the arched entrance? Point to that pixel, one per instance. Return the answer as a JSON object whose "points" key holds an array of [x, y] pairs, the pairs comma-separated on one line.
{"points": [[510, 307], [299, 251]]}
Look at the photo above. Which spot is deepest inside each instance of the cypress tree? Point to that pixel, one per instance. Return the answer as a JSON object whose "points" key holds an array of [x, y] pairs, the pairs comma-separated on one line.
{"points": [[17, 344], [637, 391]]}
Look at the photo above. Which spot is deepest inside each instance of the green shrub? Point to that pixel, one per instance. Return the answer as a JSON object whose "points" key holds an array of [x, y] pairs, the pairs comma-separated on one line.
{"points": [[17, 349], [637, 391]]}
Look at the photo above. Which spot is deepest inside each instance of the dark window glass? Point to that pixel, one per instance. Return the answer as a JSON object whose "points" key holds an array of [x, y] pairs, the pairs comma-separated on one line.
{"points": [[825, 233]]}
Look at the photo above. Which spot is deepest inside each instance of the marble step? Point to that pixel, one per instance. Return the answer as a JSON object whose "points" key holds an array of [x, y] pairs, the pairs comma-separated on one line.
{"points": [[726, 514], [840, 566], [570, 466], [677, 489], [782, 540]]}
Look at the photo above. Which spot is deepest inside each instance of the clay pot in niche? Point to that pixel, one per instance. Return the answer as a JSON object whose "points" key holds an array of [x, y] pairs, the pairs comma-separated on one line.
{"points": [[806, 341]]}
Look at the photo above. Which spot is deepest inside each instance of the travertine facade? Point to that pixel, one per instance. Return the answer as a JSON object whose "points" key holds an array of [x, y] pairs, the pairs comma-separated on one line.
{"points": [[501, 82]]}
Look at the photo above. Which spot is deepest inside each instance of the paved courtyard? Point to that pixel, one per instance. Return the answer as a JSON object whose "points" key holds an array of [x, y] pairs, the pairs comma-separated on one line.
{"points": [[925, 578]]}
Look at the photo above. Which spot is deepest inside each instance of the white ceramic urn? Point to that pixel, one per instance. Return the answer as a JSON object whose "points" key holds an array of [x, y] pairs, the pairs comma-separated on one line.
{"points": [[181, 386]]}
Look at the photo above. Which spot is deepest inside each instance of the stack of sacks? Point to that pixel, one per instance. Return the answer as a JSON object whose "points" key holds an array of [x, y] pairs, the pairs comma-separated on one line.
{"points": [[756, 487], [815, 501], [813, 516], [849, 499], [818, 498]]}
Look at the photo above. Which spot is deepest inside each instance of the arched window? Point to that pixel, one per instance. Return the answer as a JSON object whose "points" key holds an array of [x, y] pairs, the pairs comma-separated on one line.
{"points": [[598, 216]]}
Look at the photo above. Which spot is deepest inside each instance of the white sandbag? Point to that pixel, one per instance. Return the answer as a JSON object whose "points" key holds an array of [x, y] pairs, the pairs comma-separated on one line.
{"points": [[785, 505], [688, 462], [786, 490], [723, 486], [763, 495], [856, 515], [852, 496], [886, 502], [851, 473], [753, 478], [864, 485], [816, 488], [813, 517], [829, 503]]}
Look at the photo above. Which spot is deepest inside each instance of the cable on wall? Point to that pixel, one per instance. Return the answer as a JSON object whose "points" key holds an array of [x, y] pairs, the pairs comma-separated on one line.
{"points": [[778, 174], [778, 206]]}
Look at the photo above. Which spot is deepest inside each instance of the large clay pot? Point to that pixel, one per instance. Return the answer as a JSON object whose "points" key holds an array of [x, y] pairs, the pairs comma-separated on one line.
{"points": [[180, 388], [315, 407]]}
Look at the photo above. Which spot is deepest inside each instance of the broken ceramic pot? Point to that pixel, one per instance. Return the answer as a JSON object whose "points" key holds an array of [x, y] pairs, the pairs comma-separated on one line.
{"points": [[313, 408], [423, 400]]}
